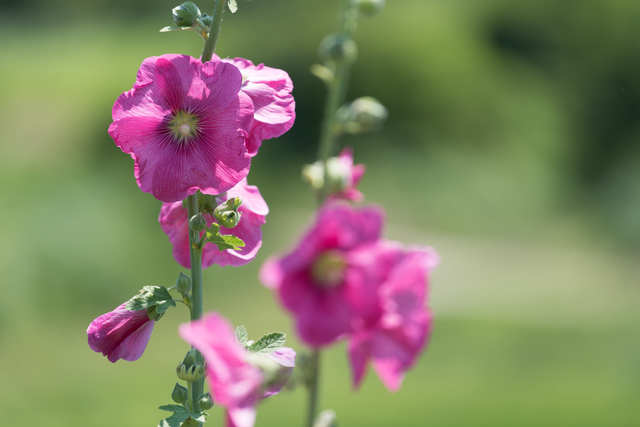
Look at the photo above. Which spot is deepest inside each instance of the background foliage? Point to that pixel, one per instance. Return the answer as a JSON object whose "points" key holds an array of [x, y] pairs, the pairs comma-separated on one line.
{"points": [[512, 147]]}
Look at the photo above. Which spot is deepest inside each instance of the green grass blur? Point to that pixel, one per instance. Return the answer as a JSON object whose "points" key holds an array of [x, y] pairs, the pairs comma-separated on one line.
{"points": [[512, 147]]}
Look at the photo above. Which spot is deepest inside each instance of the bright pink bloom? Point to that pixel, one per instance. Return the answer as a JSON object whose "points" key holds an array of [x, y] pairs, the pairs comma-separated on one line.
{"points": [[121, 334], [236, 383], [352, 176], [270, 90], [184, 123], [318, 280], [395, 324], [175, 223]]}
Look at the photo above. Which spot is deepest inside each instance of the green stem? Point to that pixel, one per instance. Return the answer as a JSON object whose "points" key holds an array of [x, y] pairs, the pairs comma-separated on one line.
{"points": [[196, 291], [337, 90], [313, 387], [189, 399], [210, 44]]}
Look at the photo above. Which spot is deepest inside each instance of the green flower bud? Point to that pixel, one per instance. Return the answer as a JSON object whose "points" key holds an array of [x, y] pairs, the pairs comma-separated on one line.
{"points": [[153, 314], [197, 223], [183, 283], [227, 213], [370, 7], [179, 394], [314, 175], [205, 402], [190, 369], [207, 20], [338, 47], [364, 115], [186, 14]]}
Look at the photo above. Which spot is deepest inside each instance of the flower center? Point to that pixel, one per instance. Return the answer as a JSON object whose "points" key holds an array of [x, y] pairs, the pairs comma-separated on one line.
{"points": [[183, 126], [328, 269]]}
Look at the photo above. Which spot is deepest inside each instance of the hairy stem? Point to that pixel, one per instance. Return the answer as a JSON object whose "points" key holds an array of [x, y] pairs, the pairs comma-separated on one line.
{"points": [[196, 290], [314, 381], [210, 45]]}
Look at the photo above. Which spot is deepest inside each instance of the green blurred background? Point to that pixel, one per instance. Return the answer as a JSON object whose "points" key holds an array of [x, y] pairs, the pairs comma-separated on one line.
{"points": [[513, 148]]}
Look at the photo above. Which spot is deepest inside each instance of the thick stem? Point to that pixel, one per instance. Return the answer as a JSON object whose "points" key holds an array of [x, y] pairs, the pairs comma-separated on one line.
{"points": [[196, 290], [210, 45], [313, 387]]}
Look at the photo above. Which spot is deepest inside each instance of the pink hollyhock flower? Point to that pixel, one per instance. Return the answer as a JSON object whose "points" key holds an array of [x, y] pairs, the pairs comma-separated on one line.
{"points": [[121, 334], [342, 175], [318, 281], [395, 324], [174, 221], [270, 90], [184, 124], [236, 383]]}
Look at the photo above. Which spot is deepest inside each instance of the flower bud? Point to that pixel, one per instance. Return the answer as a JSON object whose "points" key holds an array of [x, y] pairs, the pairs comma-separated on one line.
{"points": [[197, 223], [370, 8], [227, 213], [183, 283], [190, 369], [314, 175], [364, 115], [179, 394], [207, 20], [205, 402], [338, 47], [186, 14]]}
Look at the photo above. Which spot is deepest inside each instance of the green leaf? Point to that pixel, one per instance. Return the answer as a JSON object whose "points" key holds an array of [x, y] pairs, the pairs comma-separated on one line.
{"points": [[241, 335], [174, 420], [173, 408], [198, 416], [233, 6], [223, 242], [151, 296], [268, 343]]}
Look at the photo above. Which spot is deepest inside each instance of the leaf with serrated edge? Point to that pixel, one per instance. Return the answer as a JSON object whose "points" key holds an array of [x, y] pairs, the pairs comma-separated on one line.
{"points": [[174, 28], [174, 420], [172, 408], [233, 6], [227, 241], [151, 296], [268, 343], [241, 335]]}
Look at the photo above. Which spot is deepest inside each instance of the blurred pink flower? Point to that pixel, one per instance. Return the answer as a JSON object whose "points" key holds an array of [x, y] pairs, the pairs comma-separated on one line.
{"points": [[395, 323], [236, 384], [175, 223], [121, 334], [184, 123], [352, 176], [317, 280], [270, 90]]}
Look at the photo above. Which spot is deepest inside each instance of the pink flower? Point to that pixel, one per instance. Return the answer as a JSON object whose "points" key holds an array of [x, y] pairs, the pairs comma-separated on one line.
{"points": [[121, 334], [270, 90], [236, 384], [352, 174], [184, 124], [318, 280], [175, 223], [396, 324]]}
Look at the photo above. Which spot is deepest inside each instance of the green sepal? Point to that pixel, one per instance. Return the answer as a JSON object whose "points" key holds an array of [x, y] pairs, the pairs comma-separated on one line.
{"points": [[151, 296], [268, 343], [233, 6], [176, 28], [227, 241], [241, 335]]}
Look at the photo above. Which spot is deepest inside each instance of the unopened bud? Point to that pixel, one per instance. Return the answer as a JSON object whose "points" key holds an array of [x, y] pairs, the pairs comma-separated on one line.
{"points": [[206, 20], [227, 213], [183, 283], [205, 402], [186, 14], [190, 369], [338, 47], [153, 314], [364, 115], [370, 7], [180, 394], [197, 223], [314, 175]]}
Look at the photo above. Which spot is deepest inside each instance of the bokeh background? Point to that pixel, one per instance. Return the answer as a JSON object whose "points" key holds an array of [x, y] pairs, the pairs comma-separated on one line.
{"points": [[512, 147]]}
